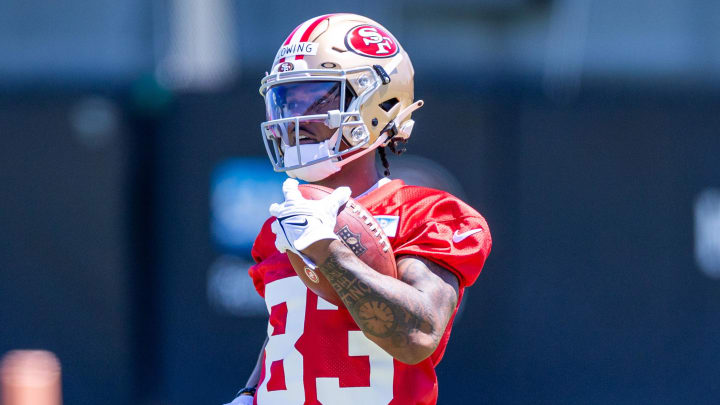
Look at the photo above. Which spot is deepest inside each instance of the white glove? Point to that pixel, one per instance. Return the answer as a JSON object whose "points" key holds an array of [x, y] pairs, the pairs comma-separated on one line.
{"points": [[242, 400], [281, 242], [282, 245], [303, 222]]}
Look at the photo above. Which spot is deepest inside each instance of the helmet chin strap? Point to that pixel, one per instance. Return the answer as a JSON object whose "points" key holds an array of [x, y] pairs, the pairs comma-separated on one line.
{"points": [[311, 151], [326, 168], [382, 138]]}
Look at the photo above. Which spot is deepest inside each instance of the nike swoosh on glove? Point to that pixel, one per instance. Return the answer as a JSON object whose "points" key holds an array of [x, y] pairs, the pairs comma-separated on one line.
{"points": [[281, 242], [282, 245], [304, 222]]}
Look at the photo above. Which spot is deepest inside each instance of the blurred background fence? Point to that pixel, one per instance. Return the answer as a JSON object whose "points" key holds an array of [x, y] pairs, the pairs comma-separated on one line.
{"points": [[585, 131]]}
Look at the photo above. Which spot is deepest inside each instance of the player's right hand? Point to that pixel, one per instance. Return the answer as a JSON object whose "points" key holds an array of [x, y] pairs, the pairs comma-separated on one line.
{"points": [[281, 242], [303, 221], [283, 245]]}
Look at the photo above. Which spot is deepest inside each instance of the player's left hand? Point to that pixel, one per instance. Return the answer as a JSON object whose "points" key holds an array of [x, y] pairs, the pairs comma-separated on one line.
{"points": [[304, 222]]}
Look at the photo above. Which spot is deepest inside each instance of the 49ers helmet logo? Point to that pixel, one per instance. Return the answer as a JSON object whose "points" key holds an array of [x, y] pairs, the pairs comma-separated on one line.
{"points": [[370, 40], [286, 67]]}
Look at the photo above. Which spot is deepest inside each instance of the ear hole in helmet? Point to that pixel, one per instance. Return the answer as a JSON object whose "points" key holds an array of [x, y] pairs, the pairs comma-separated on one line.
{"points": [[387, 105]]}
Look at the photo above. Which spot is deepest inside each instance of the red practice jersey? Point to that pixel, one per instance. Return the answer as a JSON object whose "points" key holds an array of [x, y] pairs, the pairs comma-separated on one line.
{"points": [[316, 353]]}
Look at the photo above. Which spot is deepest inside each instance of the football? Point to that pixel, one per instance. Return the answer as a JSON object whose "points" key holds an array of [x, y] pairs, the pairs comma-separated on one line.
{"points": [[360, 232]]}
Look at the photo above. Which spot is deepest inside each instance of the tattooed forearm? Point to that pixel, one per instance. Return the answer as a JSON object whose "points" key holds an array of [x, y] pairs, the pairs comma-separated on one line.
{"points": [[395, 314], [376, 314]]}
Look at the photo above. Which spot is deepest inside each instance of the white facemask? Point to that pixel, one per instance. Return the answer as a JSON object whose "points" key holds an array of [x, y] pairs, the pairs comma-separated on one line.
{"points": [[310, 152]]}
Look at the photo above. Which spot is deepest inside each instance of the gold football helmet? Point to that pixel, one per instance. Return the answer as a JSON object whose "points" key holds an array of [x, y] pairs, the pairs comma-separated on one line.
{"points": [[340, 86]]}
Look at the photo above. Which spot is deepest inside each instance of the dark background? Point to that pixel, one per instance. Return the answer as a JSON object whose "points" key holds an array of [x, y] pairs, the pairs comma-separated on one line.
{"points": [[587, 168]]}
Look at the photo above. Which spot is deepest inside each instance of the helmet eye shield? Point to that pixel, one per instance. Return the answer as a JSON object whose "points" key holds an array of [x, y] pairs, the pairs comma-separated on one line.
{"points": [[316, 102], [304, 107], [304, 98]]}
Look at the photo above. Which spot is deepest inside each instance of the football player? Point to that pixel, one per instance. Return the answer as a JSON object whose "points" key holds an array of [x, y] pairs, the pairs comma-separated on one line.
{"points": [[340, 88]]}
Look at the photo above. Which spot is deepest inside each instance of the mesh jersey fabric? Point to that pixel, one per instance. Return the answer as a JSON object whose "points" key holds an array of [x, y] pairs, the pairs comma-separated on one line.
{"points": [[336, 362]]}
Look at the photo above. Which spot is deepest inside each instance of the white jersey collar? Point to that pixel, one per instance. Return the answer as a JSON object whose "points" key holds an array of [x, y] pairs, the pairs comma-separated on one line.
{"points": [[375, 186]]}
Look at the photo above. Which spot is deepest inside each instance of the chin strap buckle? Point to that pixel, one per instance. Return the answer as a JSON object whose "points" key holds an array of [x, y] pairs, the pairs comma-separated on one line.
{"points": [[391, 130], [406, 125]]}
